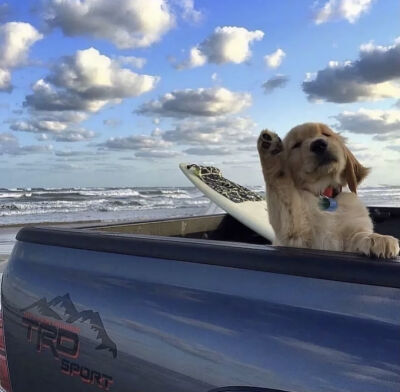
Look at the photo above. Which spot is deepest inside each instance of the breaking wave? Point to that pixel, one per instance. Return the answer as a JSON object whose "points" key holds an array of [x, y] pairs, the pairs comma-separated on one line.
{"points": [[20, 205]]}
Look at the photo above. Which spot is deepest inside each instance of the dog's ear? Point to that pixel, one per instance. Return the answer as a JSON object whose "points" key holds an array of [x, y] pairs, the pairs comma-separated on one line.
{"points": [[354, 172]]}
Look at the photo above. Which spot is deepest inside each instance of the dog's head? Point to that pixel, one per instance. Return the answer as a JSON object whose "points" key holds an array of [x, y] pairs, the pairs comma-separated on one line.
{"points": [[317, 157]]}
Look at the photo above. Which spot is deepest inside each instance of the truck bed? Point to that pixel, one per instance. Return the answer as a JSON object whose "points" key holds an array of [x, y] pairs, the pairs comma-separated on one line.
{"points": [[197, 305], [223, 227]]}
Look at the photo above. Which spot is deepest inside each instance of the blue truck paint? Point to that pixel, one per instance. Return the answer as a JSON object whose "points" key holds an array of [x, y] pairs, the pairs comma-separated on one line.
{"points": [[194, 326]]}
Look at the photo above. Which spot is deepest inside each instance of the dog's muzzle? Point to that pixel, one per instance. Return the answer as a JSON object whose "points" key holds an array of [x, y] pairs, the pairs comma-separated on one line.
{"points": [[320, 148]]}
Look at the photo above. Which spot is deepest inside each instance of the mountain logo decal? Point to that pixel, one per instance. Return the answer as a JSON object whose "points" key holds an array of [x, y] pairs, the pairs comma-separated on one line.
{"points": [[70, 315]]}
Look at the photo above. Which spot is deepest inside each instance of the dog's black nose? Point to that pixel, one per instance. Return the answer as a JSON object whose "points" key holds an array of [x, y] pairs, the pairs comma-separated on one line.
{"points": [[318, 146]]}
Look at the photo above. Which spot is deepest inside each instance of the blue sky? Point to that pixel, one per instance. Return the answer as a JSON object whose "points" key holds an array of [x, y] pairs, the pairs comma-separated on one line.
{"points": [[100, 95]]}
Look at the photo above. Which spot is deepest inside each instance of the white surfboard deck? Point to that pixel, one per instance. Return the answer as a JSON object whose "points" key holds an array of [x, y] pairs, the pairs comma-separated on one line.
{"points": [[251, 212]]}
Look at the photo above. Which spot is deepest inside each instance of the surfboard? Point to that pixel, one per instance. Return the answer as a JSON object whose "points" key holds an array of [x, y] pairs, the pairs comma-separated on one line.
{"points": [[243, 204]]}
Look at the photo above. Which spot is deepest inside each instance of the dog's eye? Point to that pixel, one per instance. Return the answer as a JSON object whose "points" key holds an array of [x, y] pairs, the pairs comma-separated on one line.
{"points": [[297, 145], [326, 134]]}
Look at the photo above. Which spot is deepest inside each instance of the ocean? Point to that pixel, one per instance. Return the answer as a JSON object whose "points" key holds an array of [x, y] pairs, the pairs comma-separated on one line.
{"points": [[35, 205], [19, 206]]}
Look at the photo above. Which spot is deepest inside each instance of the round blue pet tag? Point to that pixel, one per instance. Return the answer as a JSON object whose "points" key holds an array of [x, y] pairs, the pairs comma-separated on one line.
{"points": [[327, 204]]}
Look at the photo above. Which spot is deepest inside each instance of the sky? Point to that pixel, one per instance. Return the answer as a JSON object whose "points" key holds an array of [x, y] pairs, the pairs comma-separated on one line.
{"points": [[117, 93]]}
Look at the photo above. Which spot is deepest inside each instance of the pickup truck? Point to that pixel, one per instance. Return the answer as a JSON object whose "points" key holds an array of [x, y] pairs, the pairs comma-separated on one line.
{"points": [[196, 305]]}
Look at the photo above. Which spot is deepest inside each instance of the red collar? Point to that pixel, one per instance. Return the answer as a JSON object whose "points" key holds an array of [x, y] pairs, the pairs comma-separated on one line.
{"points": [[331, 191]]}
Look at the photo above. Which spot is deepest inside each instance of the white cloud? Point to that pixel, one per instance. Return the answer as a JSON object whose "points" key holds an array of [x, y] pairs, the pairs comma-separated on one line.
{"points": [[370, 121], [274, 60], [132, 61], [228, 44], [188, 11], [375, 75], [39, 126], [126, 23], [16, 38], [46, 97], [212, 131], [9, 144], [241, 162], [96, 77], [357, 147], [73, 153], [135, 142], [350, 10], [87, 81], [42, 137], [49, 127], [5, 80], [156, 154], [77, 86], [75, 135], [200, 102], [156, 132], [209, 136], [35, 149], [394, 145], [248, 148], [204, 150], [196, 59], [277, 81]]}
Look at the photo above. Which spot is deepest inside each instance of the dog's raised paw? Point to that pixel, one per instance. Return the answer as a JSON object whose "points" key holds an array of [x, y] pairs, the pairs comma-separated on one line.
{"points": [[383, 246], [269, 142]]}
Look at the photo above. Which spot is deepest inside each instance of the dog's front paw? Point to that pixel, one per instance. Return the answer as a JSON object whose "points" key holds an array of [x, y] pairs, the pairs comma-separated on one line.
{"points": [[382, 246], [269, 142]]}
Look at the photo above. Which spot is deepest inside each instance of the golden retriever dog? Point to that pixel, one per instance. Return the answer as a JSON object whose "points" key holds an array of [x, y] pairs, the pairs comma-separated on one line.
{"points": [[313, 161]]}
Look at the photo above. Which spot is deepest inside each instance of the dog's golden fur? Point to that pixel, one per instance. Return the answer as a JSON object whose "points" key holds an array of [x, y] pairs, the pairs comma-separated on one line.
{"points": [[296, 172]]}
